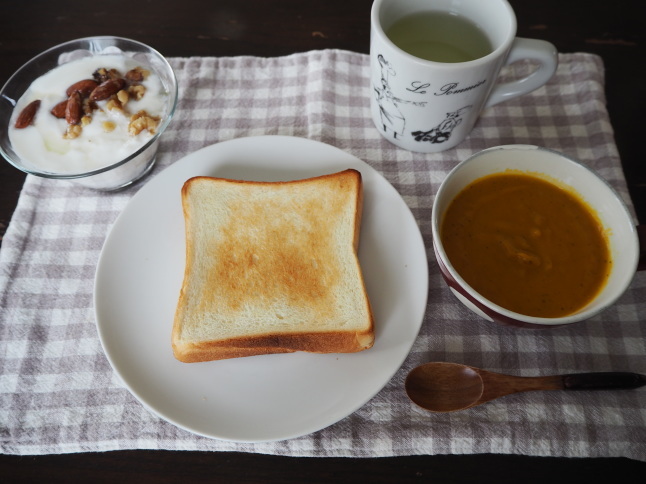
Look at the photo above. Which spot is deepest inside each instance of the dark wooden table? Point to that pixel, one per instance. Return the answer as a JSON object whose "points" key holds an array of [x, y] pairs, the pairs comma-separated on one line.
{"points": [[614, 30]]}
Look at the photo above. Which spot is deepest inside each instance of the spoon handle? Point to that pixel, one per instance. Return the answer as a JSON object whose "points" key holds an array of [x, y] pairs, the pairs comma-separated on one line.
{"points": [[603, 381]]}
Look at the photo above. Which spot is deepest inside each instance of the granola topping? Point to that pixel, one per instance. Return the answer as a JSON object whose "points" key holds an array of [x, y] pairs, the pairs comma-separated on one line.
{"points": [[115, 89]]}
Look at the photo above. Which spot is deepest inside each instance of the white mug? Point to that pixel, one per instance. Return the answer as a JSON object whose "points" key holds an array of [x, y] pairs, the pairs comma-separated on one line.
{"points": [[427, 106]]}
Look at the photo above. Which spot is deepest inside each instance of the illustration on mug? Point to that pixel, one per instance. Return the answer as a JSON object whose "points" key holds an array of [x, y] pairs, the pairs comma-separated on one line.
{"points": [[442, 132], [392, 119]]}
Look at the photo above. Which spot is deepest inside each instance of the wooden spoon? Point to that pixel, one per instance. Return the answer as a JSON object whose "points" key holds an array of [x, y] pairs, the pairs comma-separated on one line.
{"points": [[447, 387]]}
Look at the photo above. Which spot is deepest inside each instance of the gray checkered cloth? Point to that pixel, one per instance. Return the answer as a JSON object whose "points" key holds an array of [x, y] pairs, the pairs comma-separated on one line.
{"points": [[58, 393]]}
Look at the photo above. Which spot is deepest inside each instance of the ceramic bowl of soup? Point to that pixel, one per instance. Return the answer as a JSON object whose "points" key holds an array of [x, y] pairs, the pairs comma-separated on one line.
{"points": [[526, 236]]}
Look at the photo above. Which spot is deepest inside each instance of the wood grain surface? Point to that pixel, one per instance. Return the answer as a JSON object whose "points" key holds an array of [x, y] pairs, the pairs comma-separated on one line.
{"points": [[614, 30]]}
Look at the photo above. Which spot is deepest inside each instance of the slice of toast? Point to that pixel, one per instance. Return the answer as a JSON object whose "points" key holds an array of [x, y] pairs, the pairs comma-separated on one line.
{"points": [[272, 267]]}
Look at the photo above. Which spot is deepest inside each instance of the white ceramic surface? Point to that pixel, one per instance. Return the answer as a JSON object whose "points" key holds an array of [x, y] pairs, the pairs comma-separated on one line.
{"points": [[614, 215], [259, 398]]}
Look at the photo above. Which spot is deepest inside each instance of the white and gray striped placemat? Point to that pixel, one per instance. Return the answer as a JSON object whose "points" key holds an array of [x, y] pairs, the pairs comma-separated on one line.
{"points": [[58, 393]]}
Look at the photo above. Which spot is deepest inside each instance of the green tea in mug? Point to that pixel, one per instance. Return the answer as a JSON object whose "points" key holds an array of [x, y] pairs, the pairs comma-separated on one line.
{"points": [[440, 37]]}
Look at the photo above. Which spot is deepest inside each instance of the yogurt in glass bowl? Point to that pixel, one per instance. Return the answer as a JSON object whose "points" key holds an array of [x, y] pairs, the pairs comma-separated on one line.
{"points": [[90, 110]]}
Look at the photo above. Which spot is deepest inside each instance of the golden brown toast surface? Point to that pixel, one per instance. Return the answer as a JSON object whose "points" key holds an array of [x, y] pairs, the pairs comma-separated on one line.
{"points": [[272, 267]]}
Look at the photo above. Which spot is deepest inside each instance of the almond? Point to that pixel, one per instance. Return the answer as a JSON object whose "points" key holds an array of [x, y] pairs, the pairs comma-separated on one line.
{"points": [[26, 116], [107, 89], [59, 109], [74, 108], [85, 87]]}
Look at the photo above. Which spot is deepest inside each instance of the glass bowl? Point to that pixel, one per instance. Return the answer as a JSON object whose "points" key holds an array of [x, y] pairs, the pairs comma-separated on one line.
{"points": [[115, 174]]}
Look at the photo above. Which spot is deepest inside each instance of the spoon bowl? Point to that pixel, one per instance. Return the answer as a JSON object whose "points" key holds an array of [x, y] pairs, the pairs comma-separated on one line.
{"points": [[448, 387], [445, 386]]}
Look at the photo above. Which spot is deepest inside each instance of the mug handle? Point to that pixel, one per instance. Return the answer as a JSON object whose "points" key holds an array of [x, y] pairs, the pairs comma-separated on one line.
{"points": [[534, 49]]}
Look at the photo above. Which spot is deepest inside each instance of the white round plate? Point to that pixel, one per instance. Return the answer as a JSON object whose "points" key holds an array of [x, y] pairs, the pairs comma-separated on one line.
{"points": [[258, 398]]}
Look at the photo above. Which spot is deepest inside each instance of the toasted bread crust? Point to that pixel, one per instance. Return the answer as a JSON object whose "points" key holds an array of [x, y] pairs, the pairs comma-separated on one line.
{"points": [[270, 344], [253, 264]]}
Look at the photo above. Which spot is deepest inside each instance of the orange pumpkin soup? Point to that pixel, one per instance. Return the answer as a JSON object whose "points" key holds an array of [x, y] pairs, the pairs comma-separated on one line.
{"points": [[526, 244]]}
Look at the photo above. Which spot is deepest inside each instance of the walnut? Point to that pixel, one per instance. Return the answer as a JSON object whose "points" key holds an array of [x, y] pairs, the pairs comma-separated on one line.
{"points": [[113, 104], [73, 131], [85, 120], [142, 121], [108, 126], [102, 74], [137, 91], [123, 96], [138, 74], [88, 106]]}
